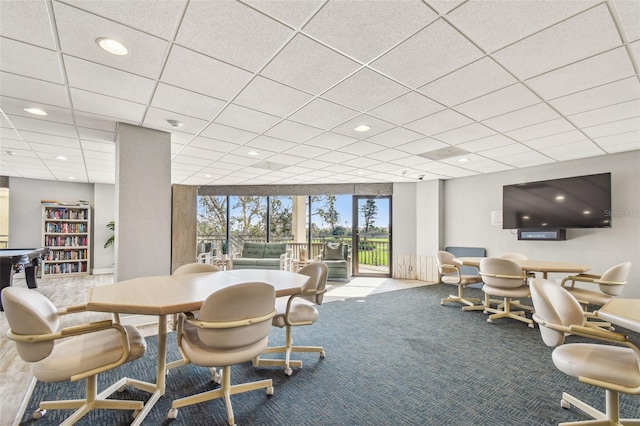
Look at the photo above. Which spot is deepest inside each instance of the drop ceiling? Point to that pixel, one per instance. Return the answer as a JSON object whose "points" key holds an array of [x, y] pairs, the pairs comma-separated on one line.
{"points": [[270, 91]]}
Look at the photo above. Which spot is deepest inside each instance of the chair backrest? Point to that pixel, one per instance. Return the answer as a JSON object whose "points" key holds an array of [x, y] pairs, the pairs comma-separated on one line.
{"points": [[195, 268], [555, 305], [514, 256], [317, 271], [236, 303], [499, 266], [334, 251], [443, 258], [618, 273], [30, 313]]}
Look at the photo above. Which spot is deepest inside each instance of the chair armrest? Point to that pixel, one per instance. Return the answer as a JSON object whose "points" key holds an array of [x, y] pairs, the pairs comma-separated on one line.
{"points": [[231, 324], [598, 281], [512, 277], [72, 309], [287, 321]]}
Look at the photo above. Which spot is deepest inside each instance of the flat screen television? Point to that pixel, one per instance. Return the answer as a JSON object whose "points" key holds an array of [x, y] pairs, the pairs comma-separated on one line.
{"points": [[575, 202]]}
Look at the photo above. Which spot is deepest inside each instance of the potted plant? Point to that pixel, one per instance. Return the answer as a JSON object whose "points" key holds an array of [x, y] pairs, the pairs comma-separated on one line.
{"points": [[112, 226]]}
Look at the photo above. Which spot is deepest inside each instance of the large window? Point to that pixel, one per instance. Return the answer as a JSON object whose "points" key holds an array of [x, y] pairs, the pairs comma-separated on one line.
{"points": [[247, 221], [212, 223], [281, 219]]}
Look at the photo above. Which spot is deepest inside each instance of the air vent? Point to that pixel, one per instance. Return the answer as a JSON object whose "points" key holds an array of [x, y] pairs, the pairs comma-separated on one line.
{"points": [[270, 165], [442, 153]]}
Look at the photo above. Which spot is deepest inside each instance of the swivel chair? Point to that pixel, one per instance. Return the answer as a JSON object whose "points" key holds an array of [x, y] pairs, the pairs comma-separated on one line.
{"points": [[504, 278], [610, 285], [192, 268], [233, 327], [449, 273], [71, 353], [294, 311], [613, 368]]}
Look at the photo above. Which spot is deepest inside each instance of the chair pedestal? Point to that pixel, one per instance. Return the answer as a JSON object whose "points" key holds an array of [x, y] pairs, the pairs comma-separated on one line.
{"points": [[93, 401], [472, 303], [610, 418], [506, 312], [287, 350]]}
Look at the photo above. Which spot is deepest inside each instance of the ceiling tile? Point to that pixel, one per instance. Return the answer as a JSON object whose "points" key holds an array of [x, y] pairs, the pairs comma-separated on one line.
{"points": [[95, 103], [330, 140], [14, 106], [444, 6], [19, 58], [228, 134], [160, 20], [412, 161], [622, 139], [231, 32], [607, 114], [394, 137], [361, 162], [293, 132], [377, 126], [306, 151], [204, 75], [362, 148], [522, 117], [489, 142], [271, 144], [505, 151], [526, 159], [213, 144], [465, 134], [108, 149], [289, 12], [43, 127], [336, 157], [323, 114], [439, 122], [498, 23], [112, 82], [423, 145], [372, 27], [557, 139], [185, 102], [551, 127], [271, 97], [51, 138], [387, 155], [601, 69], [614, 127], [406, 108], [499, 102], [629, 12], [573, 151], [78, 31], [246, 119], [96, 135], [30, 89], [428, 55], [298, 65], [476, 79], [157, 118], [364, 90], [605, 95], [582, 36], [27, 21]]}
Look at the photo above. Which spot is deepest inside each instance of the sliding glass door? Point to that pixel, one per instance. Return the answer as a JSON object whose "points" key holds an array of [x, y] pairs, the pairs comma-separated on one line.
{"points": [[371, 250]]}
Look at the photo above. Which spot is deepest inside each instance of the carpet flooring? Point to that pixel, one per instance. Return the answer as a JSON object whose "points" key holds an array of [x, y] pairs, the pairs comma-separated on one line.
{"points": [[392, 358]]}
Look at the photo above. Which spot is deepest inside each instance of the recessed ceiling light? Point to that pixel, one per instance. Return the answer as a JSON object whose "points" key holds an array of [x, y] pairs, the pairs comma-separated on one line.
{"points": [[252, 153], [560, 197], [525, 217], [112, 46], [61, 157], [586, 212], [360, 172], [176, 124], [36, 111], [362, 128], [207, 176], [71, 178], [463, 160]]}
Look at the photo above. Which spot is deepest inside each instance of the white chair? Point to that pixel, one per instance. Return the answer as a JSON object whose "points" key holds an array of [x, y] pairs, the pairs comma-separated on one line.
{"points": [[192, 268], [504, 278], [71, 353], [610, 285], [294, 311], [449, 273], [613, 368], [233, 327]]}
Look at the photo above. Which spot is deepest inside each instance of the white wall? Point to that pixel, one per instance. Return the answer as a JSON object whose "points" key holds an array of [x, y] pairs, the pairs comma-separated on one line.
{"points": [[104, 212], [404, 213], [469, 202]]}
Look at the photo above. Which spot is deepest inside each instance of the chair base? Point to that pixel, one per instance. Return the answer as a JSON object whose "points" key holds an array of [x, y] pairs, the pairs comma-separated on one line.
{"points": [[93, 401], [506, 312], [225, 391], [610, 418], [287, 350], [472, 303]]}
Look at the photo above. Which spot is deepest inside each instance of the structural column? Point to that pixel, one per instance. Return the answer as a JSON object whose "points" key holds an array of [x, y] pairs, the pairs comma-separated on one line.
{"points": [[143, 202]]}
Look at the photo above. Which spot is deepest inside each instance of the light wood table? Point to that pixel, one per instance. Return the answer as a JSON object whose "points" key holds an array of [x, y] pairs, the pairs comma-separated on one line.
{"points": [[171, 294], [622, 312], [543, 266]]}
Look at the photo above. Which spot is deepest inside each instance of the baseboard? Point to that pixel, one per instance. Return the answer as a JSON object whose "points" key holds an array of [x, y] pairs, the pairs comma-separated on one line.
{"points": [[103, 271]]}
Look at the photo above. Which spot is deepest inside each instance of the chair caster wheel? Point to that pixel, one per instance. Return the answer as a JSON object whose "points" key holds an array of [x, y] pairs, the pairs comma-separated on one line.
{"points": [[173, 413], [322, 354], [270, 390], [489, 320], [565, 404], [216, 376], [288, 371], [38, 414], [531, 325]]}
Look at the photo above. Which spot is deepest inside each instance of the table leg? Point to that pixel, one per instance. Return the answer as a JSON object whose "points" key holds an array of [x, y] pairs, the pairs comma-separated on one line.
{"points": [[159, 387]]}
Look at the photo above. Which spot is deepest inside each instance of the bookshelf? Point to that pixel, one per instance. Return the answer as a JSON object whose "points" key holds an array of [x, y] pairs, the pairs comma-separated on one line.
{"points": [[66, 232]]}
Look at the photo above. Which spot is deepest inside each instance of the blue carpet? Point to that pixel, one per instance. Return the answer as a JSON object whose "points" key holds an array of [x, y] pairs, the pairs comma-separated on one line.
{"points": [[394, 358]]}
